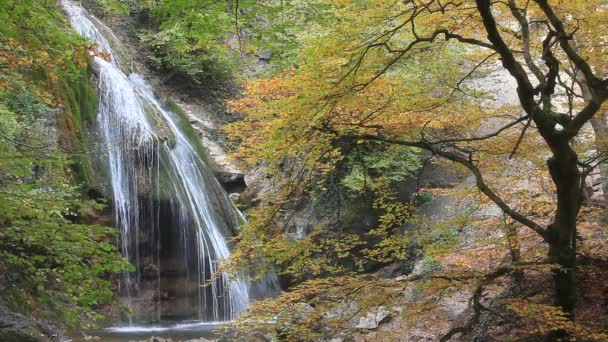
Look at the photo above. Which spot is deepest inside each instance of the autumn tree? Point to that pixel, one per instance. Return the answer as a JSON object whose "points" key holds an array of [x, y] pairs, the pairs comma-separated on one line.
{"points": [[540, 105], [411, 73]]}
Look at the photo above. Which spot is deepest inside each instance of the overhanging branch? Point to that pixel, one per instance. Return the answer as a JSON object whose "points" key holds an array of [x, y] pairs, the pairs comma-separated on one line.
{"points": [[470, 165]]}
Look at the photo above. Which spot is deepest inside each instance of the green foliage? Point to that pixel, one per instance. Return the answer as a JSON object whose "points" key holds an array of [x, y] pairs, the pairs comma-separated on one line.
{"points": [[35, 39], [429, 266], [188, 38], [50, 264], [210, 40], [172, 51], [422, 197], [282, 28], [114, 6], [80, 98], [373, 163], [47, 258]]}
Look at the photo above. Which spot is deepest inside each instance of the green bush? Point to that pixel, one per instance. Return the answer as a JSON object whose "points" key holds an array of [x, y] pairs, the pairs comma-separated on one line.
{"points": [[48, 260], [171, 52], [188, 38], [429, 266], [373, 163], [50, 263]]}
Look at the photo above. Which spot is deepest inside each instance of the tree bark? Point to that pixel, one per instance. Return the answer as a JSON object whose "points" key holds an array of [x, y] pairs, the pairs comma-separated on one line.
{"points": [[561, 234]]}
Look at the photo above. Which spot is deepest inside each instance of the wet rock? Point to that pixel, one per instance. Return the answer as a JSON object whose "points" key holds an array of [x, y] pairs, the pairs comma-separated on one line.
{"points": [[400, 269], [203, 120], [154, 339], [456, 307], [432, 175]]}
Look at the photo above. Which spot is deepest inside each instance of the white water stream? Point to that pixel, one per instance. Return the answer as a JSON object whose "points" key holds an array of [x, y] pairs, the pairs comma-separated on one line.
{"points": [[149, 160]]}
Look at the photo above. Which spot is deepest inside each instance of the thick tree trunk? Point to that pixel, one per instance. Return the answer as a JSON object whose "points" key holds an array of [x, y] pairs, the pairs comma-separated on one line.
{"points": [[561, 234], [562, 253]]}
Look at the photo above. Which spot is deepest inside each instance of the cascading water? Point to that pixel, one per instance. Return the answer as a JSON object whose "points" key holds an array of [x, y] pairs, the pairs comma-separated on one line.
{"points": [[172, 213]]}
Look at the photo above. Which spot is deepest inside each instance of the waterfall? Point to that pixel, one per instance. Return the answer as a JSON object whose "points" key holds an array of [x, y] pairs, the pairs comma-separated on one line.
{"points": [[172, 213]]}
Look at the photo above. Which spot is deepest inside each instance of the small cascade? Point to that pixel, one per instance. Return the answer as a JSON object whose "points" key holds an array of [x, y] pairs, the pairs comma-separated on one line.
{"points": [[172, 213]]}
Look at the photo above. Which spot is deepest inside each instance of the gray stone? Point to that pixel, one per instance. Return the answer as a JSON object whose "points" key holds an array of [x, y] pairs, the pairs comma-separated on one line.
{"points": [[303, 310], [373, 319]]}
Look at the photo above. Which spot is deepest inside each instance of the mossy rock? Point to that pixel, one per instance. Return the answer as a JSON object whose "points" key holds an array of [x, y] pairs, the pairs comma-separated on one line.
{"points": [[161, 127], [80, 108], [187, 129]]}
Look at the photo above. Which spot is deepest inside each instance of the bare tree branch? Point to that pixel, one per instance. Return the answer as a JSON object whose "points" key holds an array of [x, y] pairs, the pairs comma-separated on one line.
{"points": [[525, 89], [564, 41], [525, 33]]}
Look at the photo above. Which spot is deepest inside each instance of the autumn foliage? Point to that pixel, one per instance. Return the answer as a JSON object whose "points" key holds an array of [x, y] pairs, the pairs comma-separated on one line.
{"points": [[494, 88]]}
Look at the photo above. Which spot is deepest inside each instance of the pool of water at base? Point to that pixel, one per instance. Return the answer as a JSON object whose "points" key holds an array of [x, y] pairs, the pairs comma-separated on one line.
{"points": [[177, 332]]}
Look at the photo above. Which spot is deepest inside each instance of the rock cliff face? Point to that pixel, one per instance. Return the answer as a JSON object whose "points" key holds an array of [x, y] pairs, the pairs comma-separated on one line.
{"points": [[207, 116]]}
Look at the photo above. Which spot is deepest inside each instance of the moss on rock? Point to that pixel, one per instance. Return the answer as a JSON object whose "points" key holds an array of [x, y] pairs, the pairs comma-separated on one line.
{"points": [[80, 107], [187, 129]]}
